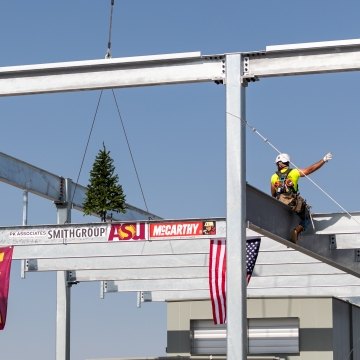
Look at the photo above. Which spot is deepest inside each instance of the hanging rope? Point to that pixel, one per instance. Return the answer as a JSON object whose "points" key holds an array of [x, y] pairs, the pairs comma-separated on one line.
{"points": [[108, 52], [87, 144], [254, 130], [131, 155], [108, 55]]}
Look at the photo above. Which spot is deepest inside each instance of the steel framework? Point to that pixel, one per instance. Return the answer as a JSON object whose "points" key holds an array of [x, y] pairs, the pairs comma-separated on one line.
{"points": [[235, 71]]}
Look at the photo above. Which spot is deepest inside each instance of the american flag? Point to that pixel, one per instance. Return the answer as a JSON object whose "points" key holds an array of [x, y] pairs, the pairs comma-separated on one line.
{"points": [[217, 274], [252, 251]]}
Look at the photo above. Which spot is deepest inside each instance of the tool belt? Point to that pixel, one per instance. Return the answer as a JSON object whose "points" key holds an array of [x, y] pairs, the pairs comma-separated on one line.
{"points": [[294, 201]]}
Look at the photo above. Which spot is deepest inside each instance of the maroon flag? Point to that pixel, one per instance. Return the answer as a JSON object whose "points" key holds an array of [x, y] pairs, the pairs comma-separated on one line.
{"points": [[217, 274], [5, 266]]}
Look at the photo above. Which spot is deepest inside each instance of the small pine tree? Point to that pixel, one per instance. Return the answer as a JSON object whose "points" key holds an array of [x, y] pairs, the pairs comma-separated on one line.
{"points": [[104, 191]]}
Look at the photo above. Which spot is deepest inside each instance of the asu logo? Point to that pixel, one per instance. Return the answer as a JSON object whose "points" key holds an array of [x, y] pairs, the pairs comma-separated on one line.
{"points": [[135, 231]]}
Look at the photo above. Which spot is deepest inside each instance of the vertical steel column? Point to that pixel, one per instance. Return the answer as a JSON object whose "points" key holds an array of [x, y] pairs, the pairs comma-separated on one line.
{"points": [[24, 222], [25, 207], [63, 289], [235, 211]]}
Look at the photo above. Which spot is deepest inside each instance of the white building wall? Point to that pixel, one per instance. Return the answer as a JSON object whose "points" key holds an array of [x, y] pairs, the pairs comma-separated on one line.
{"points": [[315, 321]]}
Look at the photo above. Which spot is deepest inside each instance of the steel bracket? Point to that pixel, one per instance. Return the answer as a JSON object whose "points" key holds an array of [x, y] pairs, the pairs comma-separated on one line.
{"points": [[357, 255], [247, 77], [332, 242]]}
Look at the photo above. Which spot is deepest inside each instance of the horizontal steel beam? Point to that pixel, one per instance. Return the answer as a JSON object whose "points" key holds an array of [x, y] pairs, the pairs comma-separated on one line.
{"points": [[273, 219], [269, 263], [177, 68], [170, 273], [111, 73], [337, 223], [346, 285], [302, 59], [265, 215], [265, 212], [111, 249], [188, 295], [155, 285], [182, 357], [51, 187], [157, 253], [279, 270], [320, 247], [171, 295], [126, 262], [310, 290], [110, 232]]}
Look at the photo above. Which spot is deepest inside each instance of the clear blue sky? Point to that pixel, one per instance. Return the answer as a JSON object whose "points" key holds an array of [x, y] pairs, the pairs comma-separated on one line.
{"points": [[177, 135]]}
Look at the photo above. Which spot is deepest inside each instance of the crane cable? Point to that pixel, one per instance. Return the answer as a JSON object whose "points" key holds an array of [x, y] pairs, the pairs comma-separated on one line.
{"points": [[266, 140], [108, 56], [108, 52], [87, 144], [131, 155]]}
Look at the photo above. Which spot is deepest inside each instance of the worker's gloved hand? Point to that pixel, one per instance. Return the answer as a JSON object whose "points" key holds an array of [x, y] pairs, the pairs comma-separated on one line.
{"points": [[327, 157]]}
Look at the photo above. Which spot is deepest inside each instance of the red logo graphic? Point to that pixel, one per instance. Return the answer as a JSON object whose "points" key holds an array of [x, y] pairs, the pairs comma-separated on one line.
{"points": [[209, 227], [174, 229], [121, 232]]}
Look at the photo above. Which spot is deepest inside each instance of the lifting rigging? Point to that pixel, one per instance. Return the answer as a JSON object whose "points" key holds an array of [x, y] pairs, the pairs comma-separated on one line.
{"points": [[108, 56]]}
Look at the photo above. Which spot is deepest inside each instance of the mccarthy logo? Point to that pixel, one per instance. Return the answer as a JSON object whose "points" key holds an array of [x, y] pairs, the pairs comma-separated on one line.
{"points": [[127, 232], [175, 229]]}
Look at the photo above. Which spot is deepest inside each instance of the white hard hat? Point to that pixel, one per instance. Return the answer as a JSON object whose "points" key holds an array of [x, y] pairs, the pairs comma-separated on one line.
{"points": [[283, 158]]}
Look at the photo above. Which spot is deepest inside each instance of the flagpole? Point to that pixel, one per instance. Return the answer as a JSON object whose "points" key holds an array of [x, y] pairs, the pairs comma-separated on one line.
{"points": [[235, 211]]}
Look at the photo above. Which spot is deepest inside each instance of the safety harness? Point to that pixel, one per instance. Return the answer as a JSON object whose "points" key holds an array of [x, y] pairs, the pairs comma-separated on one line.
{"points": [[288, 195], [284, 185]]}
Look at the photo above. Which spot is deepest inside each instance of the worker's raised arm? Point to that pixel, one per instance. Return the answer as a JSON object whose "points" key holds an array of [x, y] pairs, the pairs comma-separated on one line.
{"points": [[310, 169]]}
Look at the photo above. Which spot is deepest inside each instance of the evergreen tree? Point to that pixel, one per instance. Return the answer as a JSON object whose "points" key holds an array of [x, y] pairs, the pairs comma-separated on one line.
{"points": [[104, 191]]}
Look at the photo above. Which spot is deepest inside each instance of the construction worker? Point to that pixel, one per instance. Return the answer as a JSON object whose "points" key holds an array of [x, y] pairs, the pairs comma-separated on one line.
{"points": [[284, 187]]}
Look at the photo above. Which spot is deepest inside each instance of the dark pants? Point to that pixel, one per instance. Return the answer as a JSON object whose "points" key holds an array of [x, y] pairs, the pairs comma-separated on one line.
{"points": [[305, 217], [298, 205]]}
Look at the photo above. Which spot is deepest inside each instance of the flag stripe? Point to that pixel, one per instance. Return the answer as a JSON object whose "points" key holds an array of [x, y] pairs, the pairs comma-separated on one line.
{"points": [[217, 274], [223, 280], [220, 277], [211, 279]]}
